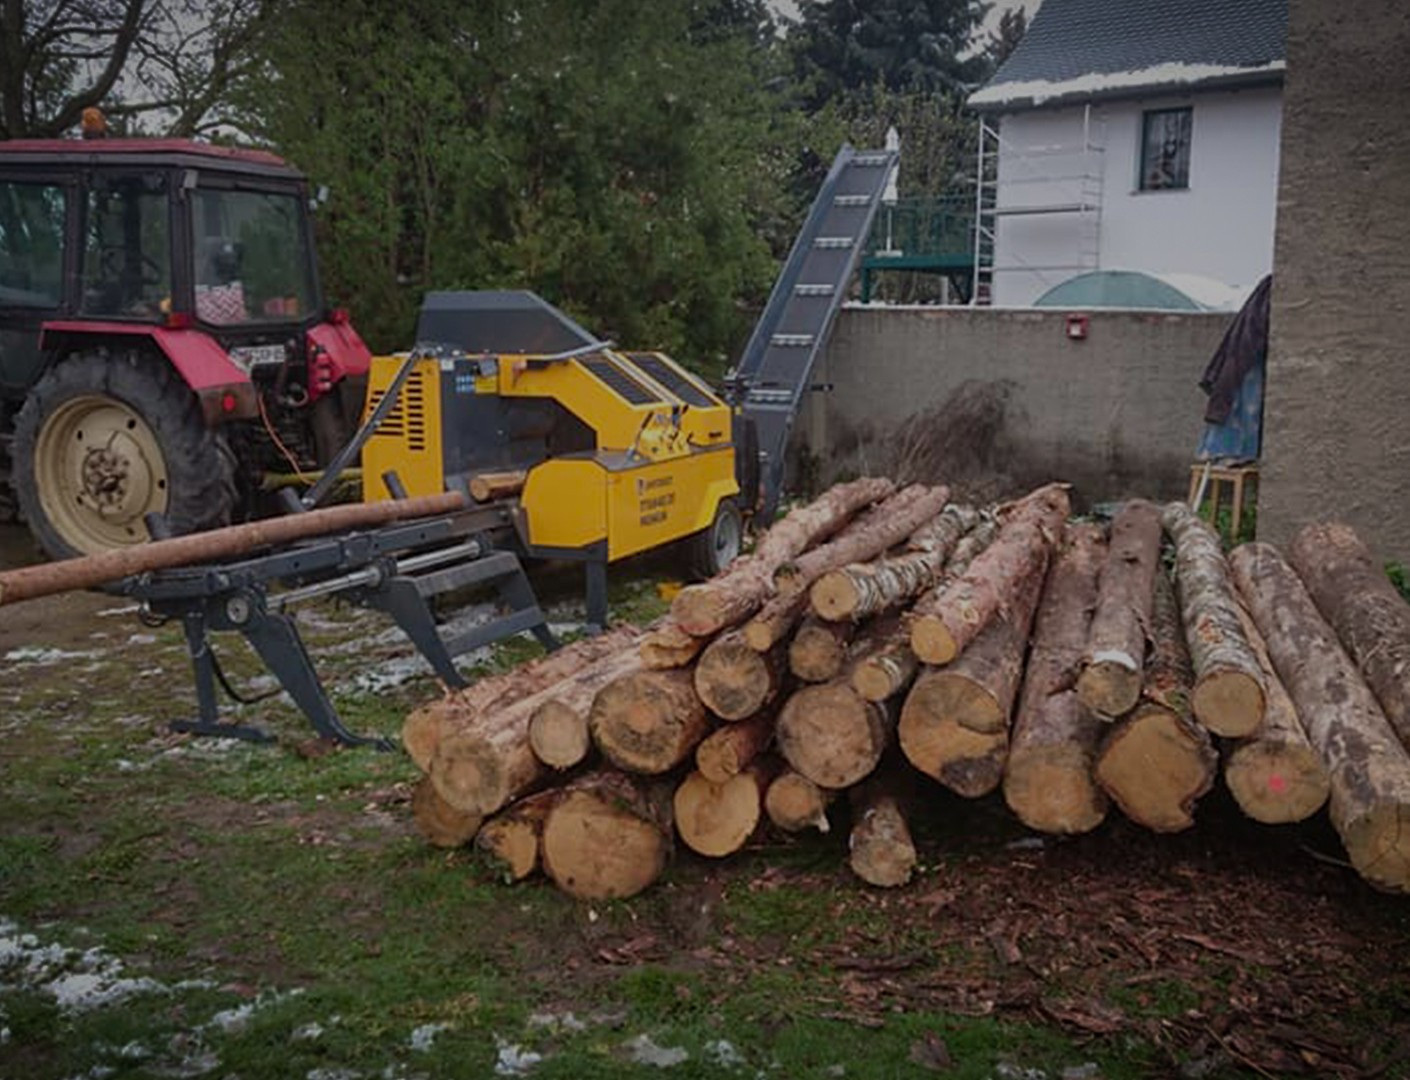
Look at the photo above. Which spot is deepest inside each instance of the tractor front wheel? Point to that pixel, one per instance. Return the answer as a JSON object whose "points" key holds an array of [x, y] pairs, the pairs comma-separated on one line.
{"points": [[103, 440]]}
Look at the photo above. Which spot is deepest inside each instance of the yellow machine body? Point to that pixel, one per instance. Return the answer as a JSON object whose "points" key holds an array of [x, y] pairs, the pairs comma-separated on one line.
{"points": [[624, 452]]}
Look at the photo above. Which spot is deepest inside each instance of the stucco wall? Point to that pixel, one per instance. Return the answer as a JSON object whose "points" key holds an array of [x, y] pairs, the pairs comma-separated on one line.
{"points": [[1220, 227], [1117, 414], [1337, 410]]}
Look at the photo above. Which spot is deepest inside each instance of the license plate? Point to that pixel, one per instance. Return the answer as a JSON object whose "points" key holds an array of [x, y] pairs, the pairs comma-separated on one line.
{"points": [[253, 356]]}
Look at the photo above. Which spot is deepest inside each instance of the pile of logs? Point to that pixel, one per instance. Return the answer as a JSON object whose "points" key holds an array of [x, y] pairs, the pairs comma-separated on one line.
{"points": [[877, 634]]}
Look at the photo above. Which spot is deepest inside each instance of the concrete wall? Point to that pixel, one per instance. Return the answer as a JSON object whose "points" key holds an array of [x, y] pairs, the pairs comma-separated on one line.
{"points": [[1220, 227], [1337, 412], [1117, 414]]}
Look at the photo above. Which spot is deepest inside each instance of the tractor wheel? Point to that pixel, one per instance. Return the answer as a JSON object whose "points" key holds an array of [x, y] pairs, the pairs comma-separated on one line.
{"points": [[104, 439], [713, 549]]}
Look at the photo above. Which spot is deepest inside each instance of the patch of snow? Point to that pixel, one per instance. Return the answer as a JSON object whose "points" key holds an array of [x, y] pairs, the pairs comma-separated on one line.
{"points": [[1088, 1070], [233, 1021], [332, 1074], [77, 980], [424, 1037], [722, 1052], [514, 1060], [1037, 91], [643, 1050], [142, 639], [33, 654], [1004, 1071], [129, 609], [307, 1032], [556, 1022]]}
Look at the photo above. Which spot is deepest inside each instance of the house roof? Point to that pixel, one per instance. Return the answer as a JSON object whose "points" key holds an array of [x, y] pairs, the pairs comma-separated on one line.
{"points": [[1080, 49]]}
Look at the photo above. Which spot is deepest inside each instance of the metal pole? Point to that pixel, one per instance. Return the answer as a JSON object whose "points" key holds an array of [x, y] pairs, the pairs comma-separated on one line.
{"points": [[978, 218]]}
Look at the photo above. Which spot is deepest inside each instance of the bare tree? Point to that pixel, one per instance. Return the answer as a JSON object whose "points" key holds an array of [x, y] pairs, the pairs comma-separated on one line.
{"points": [[165, 65]]}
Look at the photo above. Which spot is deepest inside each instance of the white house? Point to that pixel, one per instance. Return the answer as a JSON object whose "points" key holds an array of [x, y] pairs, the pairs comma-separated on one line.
{"points": [[1134, 135]]}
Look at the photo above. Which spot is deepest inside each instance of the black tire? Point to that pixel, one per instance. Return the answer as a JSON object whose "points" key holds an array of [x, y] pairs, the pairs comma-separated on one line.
{"points": [[711, 550], [156, 453]]}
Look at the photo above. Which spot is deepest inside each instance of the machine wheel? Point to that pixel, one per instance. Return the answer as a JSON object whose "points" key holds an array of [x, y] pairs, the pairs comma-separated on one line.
{"points": [[713, 549], [102, 440]]}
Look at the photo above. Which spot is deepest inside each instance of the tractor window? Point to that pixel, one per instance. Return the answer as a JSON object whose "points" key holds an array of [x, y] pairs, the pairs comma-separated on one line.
{"points": [[127, 248], [252, 258], [31, 244]]}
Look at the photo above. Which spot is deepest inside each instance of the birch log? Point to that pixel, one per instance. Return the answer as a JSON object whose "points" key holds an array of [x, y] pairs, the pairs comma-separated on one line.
{"points": [[1229, 695]]}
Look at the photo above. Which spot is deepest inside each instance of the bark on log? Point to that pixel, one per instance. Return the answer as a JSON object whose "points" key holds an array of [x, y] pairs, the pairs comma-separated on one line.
{"points": [[860, 590], [510, 839], [741, 590], [497, 485], [1368, 768], [775, 621], [832, 736], [887, 670], [880, 849], [650, 721], [439, 822], [1048, 506], [718, 819], [818, 649], [727, 751], [1356, 598], [1110, 684], [1275, 776], [794, 803], [422, 730], [1157, 762], [945, 623], [667, 645], [734, 681], [883, 527], [1048, 777], [607, 836], [1228, 696], [90, 571]]}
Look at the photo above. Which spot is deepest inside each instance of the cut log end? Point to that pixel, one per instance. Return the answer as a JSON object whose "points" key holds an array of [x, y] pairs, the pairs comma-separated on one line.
{"points": [[717, 819], [700, 610], [1110, 687], [1055, 794], [511, 845], [733, 680], [881, 851], [559, 735], [1156, 765], [830, 735], [1229, 703], [467, 775], [794, 803], [968, 762], [420, 734], [596, 848], [960, 698], [834, 596], [932, 641], [1277, 784], [439, 822], [1378, 843]]}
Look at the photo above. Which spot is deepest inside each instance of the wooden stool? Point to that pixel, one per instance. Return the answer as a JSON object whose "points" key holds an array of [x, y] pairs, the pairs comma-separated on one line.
{"points": [[1216, 476]]}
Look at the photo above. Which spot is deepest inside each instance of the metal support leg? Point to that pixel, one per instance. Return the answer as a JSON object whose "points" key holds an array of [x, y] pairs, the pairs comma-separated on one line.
{"points": [[517, 594], [277, 641], [403, 602], [203, 662], [596, 595]]}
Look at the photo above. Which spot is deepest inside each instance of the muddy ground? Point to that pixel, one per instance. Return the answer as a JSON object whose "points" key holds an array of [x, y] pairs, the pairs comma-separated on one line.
{"points": [[180, 907]]}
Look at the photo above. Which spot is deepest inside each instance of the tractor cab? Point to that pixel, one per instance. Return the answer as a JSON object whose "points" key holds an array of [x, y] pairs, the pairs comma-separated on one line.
{"points": [[157, 258]]}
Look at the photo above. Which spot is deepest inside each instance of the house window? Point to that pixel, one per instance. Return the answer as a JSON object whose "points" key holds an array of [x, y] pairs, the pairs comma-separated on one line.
{"points": [[1165, 149]]}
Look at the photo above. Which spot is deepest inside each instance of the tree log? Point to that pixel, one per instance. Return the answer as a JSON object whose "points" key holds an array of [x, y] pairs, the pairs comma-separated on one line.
{"points": [[794, 803], [1048, 777], [497, 485], [741, 590], [1367, 767], [1157, 762], [1358, 601], [1110, 684], [666, 645], [775, 621], [883, 527], [832, 736], [439, 822], [818, 649], [734, 681], [860, 590], [1275, 775], [718, 819], [943, 624], [510, 839], [422, 730], [558, 726], [727, 751], [650, 721], [1228, 696], [880, 850], [607, 836], [887, 670]]}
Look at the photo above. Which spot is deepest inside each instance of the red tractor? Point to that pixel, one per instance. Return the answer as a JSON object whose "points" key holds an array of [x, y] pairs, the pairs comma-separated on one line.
{"points": [[163, 338]]}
